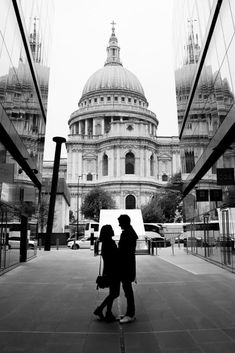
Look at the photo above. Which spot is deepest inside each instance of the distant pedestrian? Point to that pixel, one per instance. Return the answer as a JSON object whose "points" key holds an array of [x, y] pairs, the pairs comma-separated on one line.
{"points": [[109, 253], [127, 246]]}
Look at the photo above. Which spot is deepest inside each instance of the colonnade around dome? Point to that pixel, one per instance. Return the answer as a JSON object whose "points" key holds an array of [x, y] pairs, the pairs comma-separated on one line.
{"points": [[109, 126], [114, 99]]}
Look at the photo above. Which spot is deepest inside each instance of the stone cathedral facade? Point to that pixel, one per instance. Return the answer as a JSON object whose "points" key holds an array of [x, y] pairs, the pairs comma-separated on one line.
{"points": [[113, 142]]}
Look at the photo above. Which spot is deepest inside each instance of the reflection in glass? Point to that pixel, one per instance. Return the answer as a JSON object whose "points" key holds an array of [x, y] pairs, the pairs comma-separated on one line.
{"points": [[211, 103], [23, 105], [19, 99], [210, 118]]}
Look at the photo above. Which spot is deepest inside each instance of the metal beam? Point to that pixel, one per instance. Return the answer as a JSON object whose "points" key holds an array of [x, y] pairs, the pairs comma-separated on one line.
{"points": [[19, 17]]}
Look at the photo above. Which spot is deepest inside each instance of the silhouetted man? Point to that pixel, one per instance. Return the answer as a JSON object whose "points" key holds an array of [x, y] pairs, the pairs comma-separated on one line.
{"points": [[127, 245]]}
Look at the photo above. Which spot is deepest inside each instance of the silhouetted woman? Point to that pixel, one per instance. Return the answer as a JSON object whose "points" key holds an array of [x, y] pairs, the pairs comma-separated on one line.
{"points": [[109, 253]]}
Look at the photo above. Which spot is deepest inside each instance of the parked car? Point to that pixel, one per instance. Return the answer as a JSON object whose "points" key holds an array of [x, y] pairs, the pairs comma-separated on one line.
{"points": [[152, 234], [73, 238], [153, 229], [83, 243], [157, 241], [14, 243], [180, 239]]}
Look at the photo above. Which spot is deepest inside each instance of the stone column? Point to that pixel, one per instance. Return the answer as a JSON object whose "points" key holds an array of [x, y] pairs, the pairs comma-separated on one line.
{"points": [[145, 162], [118, 162], [73, 165], [93, 127], [86, 127], [79, 164], [114, 174], [102, 126]]}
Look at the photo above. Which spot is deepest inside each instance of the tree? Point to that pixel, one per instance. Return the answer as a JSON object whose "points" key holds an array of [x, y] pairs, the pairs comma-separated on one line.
{"points": [[166, 205], [71, 216], [152, 212], [94, 201], [175, 178], [43, 213]]}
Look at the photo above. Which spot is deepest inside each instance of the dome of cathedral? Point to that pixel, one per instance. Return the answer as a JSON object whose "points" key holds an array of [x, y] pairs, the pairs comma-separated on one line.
{"points": [[113, 77], [185, 75]]}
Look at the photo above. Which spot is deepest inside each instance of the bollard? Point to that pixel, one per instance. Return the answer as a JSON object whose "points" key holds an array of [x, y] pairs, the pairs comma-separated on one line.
{"points": [[57, 243], [92, 241], [149, 247], [96, 247], [23, 239], [40, 243], [152, 248]]}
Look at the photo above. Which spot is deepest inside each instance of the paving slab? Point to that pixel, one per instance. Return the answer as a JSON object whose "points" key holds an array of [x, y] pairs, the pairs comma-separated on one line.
{"points": [[183, 304]]}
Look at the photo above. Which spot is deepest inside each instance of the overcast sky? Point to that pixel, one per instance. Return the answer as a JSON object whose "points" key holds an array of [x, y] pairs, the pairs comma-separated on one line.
{"points": [[81, 33]]}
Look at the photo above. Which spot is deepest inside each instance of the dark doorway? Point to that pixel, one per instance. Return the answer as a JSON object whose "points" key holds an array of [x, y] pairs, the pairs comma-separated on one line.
{"points": [[130, 202]]}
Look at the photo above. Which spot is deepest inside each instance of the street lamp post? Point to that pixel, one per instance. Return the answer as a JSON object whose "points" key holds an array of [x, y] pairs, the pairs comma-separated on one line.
{"points": [[206, 240], [75, 238]]}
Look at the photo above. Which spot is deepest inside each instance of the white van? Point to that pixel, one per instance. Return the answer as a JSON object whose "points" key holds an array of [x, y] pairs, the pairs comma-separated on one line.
{"points": [[91, 227], [111, 217]]}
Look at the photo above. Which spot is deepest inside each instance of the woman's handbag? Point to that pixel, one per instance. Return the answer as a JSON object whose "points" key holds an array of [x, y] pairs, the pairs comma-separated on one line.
{"points": [[102, 281]]}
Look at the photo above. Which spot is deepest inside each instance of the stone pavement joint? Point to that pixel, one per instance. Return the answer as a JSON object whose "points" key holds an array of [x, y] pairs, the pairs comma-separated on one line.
{"points": [[47, 306]]}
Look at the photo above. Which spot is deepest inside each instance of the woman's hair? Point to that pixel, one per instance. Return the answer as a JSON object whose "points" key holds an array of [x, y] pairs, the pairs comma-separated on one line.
{"points": [[106, 232]]}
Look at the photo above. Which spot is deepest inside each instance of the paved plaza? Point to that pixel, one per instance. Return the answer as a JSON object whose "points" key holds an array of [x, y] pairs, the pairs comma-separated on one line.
{"points": [[183, 305]]}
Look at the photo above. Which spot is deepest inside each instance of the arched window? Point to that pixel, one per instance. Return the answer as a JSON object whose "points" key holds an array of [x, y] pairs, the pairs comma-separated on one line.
{"points": [[164, 177], [98, 129], [105, 165], [89, 177], [130, 163], [189, 161], [151, 166], [130, 202]]}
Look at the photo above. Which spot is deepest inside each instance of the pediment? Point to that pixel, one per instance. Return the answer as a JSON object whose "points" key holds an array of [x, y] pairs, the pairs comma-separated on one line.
{"points": [[165, 157], [89, 156]]}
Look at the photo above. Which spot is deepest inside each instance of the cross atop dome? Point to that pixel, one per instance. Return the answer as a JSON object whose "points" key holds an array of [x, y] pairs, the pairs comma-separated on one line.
{"points": [[113, 50], [113, 28], [192, 47]]}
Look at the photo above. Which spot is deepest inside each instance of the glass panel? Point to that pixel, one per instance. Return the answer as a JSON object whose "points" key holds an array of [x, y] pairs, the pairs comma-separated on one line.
{"points": [[232, 9], [21, 112], [210, 224], [231, 66], [214, 95]]}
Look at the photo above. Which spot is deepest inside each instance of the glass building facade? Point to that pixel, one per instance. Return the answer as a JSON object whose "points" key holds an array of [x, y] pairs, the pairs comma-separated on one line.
{"points": [[25, 28], [204, 39]]}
